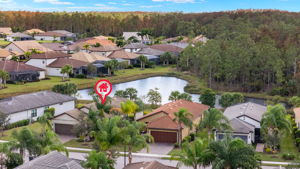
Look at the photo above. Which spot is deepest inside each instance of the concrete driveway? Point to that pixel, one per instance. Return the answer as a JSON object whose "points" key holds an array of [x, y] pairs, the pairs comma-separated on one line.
{"points": [[66, 138], [158, 148]]}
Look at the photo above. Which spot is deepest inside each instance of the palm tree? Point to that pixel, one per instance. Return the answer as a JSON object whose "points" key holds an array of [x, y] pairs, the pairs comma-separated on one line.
{"points": [[111, 66], [98, 160], [273, 122], [214, 119], [4, 76], [165, 58], [86, 47], [48, 142], [107, 135], [132, 137], [194, 154], [232, 153], [27, 54], [174, 96], [143, 59], [67, 69], [24, 140], [183, 117], [129, 108]]}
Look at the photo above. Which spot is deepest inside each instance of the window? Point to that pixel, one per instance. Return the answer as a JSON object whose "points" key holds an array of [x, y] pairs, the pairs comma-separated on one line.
{"points": [[34, 113]]}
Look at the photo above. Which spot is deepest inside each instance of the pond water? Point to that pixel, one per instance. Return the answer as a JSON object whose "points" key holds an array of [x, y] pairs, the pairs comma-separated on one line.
{"points": [[164, 84]]}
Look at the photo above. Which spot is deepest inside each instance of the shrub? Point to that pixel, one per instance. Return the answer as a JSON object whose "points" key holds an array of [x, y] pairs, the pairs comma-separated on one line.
{"points": [[50, 110], [268, 150], [297, 141], [297, 134], [17, 124], [80, 76], [13, 160], [129, 67], [288, 156], [176, 145]]}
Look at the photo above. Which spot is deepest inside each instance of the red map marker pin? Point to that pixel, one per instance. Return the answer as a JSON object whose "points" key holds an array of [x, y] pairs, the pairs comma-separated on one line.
{"points": [[103, 88]]}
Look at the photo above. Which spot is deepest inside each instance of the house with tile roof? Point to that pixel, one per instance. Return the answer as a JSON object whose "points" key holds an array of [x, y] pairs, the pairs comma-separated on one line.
{"points": [[131, 58], [57, 47], [67, 34], [5, 54], [161, 125], [54, 68], [34, 31], [4, 31], [245, 119], [24, 46], [18, 36], [89, 57], [52, 160], [19, 71], [144, 40], [42, 60], [50, 36], [134, 47], [175, 50], [32, 105]]}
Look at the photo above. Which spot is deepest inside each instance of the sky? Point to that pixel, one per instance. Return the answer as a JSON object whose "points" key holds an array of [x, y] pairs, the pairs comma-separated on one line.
{"points": [[148, 5]]}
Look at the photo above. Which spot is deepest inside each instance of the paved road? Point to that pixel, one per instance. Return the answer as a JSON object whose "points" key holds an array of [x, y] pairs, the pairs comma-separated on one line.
{"points": [[120, 161]]}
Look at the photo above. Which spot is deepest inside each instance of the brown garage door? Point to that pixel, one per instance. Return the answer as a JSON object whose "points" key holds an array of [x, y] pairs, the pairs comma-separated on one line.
{"points": [[164, 137], [64, 129]]}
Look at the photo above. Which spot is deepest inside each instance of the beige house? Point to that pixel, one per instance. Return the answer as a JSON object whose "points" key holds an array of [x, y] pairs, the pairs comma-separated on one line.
{"points": [[89, 57], [161, 124], [5, 55], [5, 31], [23, 46]]}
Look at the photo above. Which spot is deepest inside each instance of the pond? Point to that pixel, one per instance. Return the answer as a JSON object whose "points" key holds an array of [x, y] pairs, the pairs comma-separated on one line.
{"points": [[164, 84]]}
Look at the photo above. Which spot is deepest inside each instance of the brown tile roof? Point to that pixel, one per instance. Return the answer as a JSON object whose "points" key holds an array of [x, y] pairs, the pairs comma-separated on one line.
{"points": [[196, 109], [13, 66], [167, 48], [102, 41], [30, 44], [51, 34], [5, 30], [122, 54], [56, 46], [88, 57], [49, 55], [4, 53], [148, 165], [165, 122], [104, 48], [60, 62]]}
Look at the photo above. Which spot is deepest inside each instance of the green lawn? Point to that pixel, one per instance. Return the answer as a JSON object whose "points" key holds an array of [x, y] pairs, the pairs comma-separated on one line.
{"points": [[121, 76], [4, 43], [287, 145], [34, 127]]}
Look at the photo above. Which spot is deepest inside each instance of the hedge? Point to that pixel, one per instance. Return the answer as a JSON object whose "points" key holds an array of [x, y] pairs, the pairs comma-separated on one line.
{"points": [[17, 124]]}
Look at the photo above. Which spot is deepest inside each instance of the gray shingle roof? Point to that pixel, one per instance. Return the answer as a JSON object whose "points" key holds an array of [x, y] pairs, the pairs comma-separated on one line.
{"points": [[249, 109], [240, 126], [31, 101], [150, 51], [53, 160]]}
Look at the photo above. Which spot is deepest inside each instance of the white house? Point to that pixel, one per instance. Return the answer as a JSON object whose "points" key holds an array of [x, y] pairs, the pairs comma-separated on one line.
{"points": [[18, 36], [144, 39], [54, 69], [31, 106], [245, 119], [50, 36], [42, 60], [134, 47]]}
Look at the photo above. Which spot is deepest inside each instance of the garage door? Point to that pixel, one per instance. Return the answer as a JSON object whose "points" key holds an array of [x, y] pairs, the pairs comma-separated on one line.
{"points": [[64, 129], [164, 137]]}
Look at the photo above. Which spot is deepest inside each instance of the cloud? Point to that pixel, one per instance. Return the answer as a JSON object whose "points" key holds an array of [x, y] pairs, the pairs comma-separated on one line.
{"points": [[55, 2], [5, 1], [175, 1]]}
